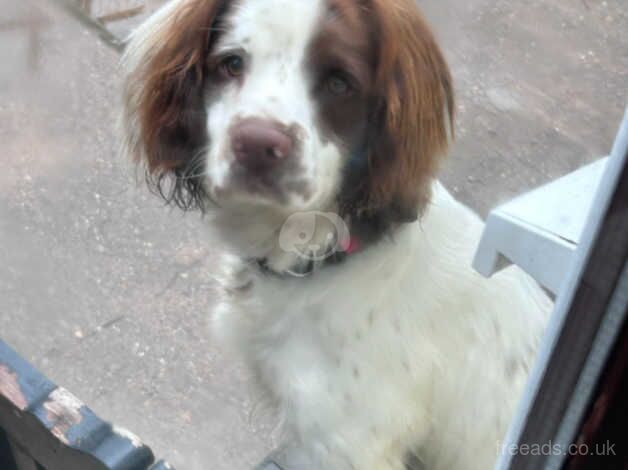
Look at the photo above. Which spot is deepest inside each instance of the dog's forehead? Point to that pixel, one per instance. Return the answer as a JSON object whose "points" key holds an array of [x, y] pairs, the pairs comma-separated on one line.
{"points": [[272, 27]]}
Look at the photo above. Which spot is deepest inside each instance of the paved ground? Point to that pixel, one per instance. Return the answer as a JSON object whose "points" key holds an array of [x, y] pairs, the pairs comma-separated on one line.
{"points": [[106, 290]]}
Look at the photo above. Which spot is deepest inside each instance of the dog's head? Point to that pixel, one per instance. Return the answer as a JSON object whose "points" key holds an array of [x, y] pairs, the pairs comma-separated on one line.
{"points": [[290, 105]]}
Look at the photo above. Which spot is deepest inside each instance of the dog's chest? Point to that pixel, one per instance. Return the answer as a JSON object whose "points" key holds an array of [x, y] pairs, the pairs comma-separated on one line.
{"points": [[342, 350]]}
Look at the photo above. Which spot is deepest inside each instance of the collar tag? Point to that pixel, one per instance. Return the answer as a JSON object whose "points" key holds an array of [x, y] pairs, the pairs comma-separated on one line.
{"points": [[347, 248]]}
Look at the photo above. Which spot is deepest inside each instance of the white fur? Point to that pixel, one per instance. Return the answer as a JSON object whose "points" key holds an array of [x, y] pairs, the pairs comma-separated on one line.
{"points": [[403, 348]]}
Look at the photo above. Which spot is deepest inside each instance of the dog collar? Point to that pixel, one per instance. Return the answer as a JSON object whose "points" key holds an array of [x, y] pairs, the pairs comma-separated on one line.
{"points": [[352, 246]]}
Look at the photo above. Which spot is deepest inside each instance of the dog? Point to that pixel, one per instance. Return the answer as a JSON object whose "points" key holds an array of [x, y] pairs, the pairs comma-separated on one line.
{"points": [[311, 132]]}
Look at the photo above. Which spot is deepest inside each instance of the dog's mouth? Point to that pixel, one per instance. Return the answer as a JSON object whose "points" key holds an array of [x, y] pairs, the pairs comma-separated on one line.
{"points": [[286, 187]]}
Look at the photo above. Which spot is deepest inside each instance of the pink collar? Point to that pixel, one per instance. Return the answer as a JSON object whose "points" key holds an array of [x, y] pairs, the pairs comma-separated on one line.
{"points": [[352, 246]]}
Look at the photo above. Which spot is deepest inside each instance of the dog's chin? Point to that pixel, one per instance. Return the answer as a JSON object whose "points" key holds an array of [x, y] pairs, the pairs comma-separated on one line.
{"points": [[273, 203], [249, 224]]}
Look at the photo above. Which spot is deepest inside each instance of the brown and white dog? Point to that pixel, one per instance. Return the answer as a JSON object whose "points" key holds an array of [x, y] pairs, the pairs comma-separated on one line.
{"points": [[311, 131]]}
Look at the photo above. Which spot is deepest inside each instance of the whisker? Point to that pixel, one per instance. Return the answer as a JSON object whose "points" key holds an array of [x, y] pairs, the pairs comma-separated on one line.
{"points": [[189, 177]]}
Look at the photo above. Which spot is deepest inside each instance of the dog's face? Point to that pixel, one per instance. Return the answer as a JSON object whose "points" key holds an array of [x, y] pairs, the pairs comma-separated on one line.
{"points": [[290, 104], [286, 103]]}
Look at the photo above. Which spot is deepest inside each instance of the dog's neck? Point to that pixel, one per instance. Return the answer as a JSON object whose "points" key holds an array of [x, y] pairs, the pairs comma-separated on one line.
{"points": [[296, 245]]}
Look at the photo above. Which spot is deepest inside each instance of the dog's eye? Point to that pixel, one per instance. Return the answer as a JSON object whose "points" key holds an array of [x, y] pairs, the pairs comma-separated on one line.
{"points": [[338, 85], [232, 66]]}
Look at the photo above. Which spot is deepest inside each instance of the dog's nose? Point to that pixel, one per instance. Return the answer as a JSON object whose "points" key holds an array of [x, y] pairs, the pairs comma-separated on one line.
{"points": [[260, 145]]}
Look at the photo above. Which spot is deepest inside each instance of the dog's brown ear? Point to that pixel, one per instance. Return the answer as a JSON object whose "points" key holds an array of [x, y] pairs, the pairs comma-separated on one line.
{"points": [[414, 111], [164, 115]]}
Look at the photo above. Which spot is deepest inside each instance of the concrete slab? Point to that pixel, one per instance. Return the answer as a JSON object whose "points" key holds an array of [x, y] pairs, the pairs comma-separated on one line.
{"points": [[107, 291], [541, 86]]}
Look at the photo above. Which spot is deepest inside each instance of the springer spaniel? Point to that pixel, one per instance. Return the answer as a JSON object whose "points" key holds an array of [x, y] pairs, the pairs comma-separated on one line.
{"points": [[310, 132]]}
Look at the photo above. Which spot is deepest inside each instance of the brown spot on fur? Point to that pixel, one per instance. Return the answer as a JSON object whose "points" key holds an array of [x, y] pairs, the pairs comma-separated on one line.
{"points": [[515, 367], [243, 289], [396, 324]]}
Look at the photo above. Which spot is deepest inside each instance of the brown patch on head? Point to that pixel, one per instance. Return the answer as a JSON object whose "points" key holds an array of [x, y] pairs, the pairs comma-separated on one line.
{"points": [[397, 126], [165, 97], [342, 50]]}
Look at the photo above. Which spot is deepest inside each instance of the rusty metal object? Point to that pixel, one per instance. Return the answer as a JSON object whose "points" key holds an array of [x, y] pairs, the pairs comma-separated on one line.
{"points": [[45, 426]]}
